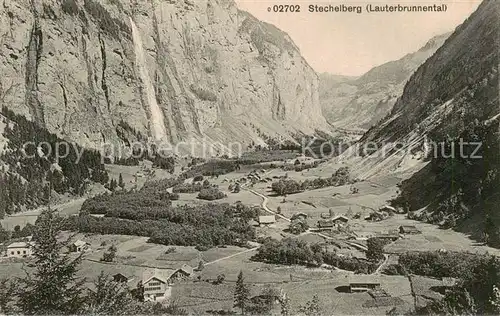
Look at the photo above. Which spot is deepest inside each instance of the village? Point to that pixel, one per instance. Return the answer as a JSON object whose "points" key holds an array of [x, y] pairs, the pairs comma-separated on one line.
{"points": [[339, 219]]}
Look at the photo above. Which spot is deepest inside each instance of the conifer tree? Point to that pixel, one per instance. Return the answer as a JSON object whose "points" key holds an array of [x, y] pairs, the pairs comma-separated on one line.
{"points": [[121, 184], [109, 297], [53, 287], [241, 293], [285, 305]]}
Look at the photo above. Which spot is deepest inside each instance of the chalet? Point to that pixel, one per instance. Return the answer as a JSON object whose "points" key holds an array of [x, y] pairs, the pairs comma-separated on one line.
{"points": [[79, 246], [325, 224], [267, 220], [409, 230], [340, 219], [121, 278], [300, 216], [363, 283], [19, 250], [157, 282]]}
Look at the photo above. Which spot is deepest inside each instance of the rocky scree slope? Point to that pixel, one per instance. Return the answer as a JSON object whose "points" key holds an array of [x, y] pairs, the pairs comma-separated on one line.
{"points": [[360, 102], [117, 71], [454, 95]]}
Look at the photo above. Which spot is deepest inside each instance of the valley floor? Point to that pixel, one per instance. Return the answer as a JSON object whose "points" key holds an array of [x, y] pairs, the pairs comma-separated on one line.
{"points": [[201, 295]]}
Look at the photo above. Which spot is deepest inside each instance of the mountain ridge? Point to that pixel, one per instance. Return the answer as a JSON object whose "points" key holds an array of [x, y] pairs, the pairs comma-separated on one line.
{"points": [[360, 102], [443, 133]]}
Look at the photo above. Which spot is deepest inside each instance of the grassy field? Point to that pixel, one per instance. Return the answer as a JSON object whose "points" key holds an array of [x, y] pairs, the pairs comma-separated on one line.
{"points": [[299, 283], [200, 296]]}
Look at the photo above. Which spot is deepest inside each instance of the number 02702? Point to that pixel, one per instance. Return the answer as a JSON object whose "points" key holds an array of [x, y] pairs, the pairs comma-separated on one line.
{"points": [[286, 8]]}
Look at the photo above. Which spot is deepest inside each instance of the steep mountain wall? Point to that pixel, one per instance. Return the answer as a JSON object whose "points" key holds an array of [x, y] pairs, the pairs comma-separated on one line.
{"points": [[361, 102], [175, 69], [446, 126]]}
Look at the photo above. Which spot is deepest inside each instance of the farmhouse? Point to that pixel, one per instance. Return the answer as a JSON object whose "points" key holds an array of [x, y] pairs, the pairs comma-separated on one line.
{"points": [[157, 282], [79, 246], [325, 224], [340, 219], [363, 283], [409, 230], [19, 250], [121, 278], [267, 219]]}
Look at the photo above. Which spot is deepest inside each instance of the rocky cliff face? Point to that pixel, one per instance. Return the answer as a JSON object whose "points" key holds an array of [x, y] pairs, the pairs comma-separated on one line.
{"points": [[111, 70], [350, 102]]}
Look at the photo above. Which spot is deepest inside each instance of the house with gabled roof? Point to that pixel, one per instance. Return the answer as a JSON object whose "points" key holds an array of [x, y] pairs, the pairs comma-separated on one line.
{"points": [[363, 283], [409, 230], [20, 249], [340, 219], [122, 278], [157, 282], [267, 219], [79, 246]]}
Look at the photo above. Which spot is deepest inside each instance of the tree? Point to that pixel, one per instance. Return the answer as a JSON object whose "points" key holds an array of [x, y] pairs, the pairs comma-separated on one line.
{"points": [[4, 235], [109, 297], [495, 300], [200, 265], [375, 249], [17, 232], [241, 293], [237, 188], [311, 308], [220, 279], [121, 184], [298, 226], [138, 292], [7, 291], [285, 305], [53, 287], [110, 254]]}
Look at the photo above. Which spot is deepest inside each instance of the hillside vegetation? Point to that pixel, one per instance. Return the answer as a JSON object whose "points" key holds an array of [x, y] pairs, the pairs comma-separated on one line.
{"points": [[30, 174], [453, 98]]}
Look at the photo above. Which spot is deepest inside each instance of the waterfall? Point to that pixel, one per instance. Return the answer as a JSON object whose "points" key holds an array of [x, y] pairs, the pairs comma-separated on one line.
{"points": [[157, 123]]}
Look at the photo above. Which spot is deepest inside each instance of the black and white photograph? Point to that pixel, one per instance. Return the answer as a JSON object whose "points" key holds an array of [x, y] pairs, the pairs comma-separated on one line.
{"points": [[250, 157]]}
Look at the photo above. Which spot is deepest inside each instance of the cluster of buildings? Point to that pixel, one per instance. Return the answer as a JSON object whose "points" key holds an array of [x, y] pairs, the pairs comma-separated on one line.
{"points": [[335, 222], [157, 282], [24, 249]]}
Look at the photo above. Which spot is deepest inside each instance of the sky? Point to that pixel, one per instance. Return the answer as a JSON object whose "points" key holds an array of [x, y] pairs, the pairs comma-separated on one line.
{"points": [[351, 43]]}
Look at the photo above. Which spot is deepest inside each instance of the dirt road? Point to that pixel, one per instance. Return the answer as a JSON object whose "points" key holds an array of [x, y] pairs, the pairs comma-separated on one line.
{"points": [[265, 207]]}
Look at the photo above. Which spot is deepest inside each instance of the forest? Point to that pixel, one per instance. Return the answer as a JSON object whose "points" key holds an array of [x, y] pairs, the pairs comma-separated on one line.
{"points": [[479, 276], [25, 183], [150, 213], [295, 251], [290, 186]]}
